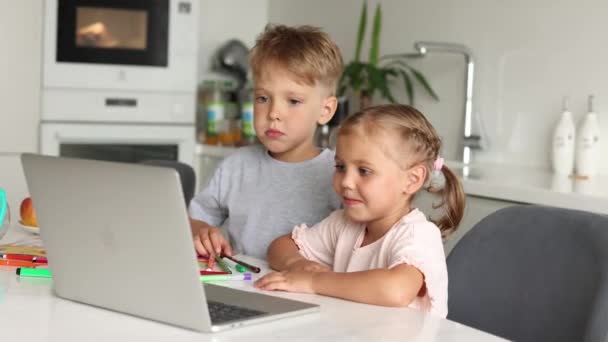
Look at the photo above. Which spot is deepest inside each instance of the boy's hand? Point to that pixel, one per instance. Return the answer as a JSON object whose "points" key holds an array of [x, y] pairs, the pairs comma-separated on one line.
{"points": [[308, 266], [292, 281], [209, 240]]}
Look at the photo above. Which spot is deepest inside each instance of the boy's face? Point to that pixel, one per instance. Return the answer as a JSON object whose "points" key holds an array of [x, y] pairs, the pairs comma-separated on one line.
{"points": [[286, 114], [373, 186]]}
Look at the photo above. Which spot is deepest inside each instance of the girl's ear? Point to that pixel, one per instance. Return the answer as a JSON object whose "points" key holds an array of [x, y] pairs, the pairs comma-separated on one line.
{"points": [[329, 108], [416, 176]]}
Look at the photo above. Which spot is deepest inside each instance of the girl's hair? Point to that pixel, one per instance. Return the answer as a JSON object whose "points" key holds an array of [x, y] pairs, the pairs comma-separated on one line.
{"points": [[420, 145]]}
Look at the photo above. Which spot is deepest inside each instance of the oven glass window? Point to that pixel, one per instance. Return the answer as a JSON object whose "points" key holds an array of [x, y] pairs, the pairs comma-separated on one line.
{"points": [[106, 28], [119, 152], [128, 32]]}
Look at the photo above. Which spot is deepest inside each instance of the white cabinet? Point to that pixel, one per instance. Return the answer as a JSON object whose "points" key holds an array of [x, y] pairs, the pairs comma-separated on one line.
{"points": [[476, 209], [20, 62]]}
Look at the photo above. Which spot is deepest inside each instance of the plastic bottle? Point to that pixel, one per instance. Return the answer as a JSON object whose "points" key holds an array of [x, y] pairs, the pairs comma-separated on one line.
{"points": [[215, 110], [587, 143], [563, 143], [247, 128]]}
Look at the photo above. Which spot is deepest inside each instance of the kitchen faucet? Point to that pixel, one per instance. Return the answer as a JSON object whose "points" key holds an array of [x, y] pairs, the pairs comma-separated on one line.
{"points": [[470, 141]]}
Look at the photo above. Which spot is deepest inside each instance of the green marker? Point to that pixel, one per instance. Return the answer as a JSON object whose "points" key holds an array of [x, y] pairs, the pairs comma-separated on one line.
{"points": [[240, 268], [219, 277], [34, 272], [223, 265]]}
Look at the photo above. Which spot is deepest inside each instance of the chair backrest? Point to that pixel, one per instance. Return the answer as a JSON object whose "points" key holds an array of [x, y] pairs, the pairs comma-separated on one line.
{"points": [[186, 175], [532, 273]]}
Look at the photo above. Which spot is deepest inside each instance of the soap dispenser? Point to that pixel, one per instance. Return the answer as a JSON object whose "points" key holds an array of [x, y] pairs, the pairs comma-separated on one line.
{"points": [[563, 142], [587, 143]]}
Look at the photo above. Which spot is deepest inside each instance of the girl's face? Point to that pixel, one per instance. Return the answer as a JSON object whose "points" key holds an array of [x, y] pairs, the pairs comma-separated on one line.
{"points": [[370, 178]]}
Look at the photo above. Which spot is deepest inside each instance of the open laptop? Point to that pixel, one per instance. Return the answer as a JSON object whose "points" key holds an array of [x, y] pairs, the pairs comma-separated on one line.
{"points": [[117, 236]]}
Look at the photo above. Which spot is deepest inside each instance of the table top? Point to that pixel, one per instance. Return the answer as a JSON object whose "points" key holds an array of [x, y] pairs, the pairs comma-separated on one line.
{"points": [[29, 311]]}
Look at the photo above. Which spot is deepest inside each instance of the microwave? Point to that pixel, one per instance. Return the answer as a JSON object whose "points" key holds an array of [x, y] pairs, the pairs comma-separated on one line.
{"points": [[132, 45]]}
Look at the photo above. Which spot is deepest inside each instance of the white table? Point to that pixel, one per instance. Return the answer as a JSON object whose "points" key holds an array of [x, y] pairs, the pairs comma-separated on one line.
{"points": [[30, 312]]}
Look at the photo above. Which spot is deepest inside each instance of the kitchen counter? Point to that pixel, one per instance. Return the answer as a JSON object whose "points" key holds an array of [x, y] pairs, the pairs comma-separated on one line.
{"points": [[503, 182], [534, 186]]}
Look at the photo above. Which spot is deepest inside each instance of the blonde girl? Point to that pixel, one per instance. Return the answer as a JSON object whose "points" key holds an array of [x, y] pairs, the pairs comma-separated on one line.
{"points": [[378, 249]]}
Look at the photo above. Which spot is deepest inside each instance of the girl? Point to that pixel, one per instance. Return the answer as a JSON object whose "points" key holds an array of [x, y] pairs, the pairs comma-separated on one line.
{"points": [[378, 249]]}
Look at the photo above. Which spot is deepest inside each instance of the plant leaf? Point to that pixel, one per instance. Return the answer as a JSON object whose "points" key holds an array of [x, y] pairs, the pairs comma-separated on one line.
{"points": [[409, 87], [375, 43], [361, 33], [384, 86], [354, 73], [424, 83], [418, 75]]}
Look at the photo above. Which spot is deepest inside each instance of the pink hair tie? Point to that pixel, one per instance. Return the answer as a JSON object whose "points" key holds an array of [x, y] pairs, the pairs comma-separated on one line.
{"points": [[438, 164]]}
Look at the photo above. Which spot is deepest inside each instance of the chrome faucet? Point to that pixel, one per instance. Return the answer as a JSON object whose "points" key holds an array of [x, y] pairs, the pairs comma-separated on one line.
{"points": [[470, 141]]}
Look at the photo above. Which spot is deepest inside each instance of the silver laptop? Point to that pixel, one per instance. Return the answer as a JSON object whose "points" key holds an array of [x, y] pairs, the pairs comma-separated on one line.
{"points": [[117, 236]]}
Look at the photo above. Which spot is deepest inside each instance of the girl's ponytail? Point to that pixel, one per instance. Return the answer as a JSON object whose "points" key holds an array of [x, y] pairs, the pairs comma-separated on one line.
{"points": [[452, 200]]}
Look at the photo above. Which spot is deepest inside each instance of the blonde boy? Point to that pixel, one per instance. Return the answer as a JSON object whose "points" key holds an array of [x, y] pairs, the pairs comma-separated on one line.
{"points": [[261, 192]]}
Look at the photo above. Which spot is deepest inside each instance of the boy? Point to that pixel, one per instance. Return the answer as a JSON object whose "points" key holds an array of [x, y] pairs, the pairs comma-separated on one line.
{"points": [[263, 191]]}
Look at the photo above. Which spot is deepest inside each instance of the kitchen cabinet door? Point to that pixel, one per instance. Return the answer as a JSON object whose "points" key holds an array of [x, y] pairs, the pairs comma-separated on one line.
{"points": [[476, 209]]}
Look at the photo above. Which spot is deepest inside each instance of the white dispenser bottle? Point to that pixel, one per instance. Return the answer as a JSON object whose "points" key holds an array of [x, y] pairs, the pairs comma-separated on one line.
{"points": [[587, 143], [563, 143]]}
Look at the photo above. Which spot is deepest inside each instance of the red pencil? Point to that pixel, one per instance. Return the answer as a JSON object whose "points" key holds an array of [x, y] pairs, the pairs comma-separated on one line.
{"points": [[32, 258], [203, 272]]}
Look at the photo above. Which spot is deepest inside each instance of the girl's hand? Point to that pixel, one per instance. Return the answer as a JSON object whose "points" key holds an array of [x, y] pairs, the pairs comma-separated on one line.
{"points": [[292, 281], [308, 266]]}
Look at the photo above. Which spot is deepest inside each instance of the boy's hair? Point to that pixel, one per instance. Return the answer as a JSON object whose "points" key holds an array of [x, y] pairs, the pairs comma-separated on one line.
{"points": [[305, 51], [420, 144]]}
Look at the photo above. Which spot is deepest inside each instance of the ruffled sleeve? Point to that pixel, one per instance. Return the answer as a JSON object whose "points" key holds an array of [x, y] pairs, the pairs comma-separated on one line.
{"points": [[420, 246], [318, 243]]}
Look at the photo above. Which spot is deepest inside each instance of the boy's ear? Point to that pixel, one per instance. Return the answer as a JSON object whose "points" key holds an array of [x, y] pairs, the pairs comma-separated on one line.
{"points": [[416, 176], [330, 104]]}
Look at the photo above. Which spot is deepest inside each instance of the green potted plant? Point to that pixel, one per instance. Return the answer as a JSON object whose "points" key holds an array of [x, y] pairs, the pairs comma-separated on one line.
{"points": [[377, 74]]}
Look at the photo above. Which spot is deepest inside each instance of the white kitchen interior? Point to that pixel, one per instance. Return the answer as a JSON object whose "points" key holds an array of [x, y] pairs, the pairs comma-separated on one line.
{"points": [[528, 56]]}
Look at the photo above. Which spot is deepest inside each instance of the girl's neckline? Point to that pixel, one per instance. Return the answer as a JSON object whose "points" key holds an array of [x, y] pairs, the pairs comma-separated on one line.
{"points": [[363, 230]]}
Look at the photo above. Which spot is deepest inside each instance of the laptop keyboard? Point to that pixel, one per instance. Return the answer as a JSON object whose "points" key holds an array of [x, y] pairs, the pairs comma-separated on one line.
{"points": [[221, 312]]}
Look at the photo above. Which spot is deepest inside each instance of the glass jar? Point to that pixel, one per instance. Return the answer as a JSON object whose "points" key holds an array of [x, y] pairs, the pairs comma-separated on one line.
{"points": [[5, 214], [217, 113], [248, 136]]}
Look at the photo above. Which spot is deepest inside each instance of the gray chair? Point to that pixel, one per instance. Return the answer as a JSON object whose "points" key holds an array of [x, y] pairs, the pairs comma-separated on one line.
{"points": [[532, 273], [185, 172]]}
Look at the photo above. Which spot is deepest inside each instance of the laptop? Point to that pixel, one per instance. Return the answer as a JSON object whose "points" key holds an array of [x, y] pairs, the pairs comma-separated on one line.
{"points": [[117, 236]]}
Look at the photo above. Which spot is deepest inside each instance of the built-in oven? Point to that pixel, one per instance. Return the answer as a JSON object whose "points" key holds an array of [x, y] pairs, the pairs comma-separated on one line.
{"points": [[123, 143], [141, 45], [120, 79]]}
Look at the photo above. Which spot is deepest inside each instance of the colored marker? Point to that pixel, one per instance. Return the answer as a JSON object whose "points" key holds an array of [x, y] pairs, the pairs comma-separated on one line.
{"points": [[203, 272], [34, 272], [252, 268], [223, 264], [210, 264], [19, 263], [222, 277], [24, 257], [240, 268]]}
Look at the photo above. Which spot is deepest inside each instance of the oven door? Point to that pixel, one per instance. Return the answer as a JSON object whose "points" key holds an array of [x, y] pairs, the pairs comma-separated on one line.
{"points": [[128, 32], [121, 143], [141, 45]]}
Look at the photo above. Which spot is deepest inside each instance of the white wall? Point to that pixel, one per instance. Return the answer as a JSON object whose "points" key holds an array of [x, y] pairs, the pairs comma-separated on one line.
{"points": [[528, 55], [21, 41], [223, 20]]}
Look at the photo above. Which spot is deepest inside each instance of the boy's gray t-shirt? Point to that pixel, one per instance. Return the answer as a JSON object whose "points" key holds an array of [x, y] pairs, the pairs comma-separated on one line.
{"points": [[261, 198]]}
